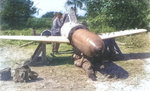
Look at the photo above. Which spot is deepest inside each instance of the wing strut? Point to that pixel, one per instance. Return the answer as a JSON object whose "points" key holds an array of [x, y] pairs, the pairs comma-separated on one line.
{"points": [[40, 50]]}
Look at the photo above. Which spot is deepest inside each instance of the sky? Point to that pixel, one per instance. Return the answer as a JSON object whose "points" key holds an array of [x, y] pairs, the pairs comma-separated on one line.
{"points": [[52, 5]]}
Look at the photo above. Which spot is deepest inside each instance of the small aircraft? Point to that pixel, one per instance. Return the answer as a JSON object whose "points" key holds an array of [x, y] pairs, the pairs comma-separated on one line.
{"points": [[88, 47]]}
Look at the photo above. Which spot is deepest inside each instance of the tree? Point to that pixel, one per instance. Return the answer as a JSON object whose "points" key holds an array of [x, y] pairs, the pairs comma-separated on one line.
{"points": [[48, 15], [16, 12], [118, 14], [128, 14], [75, 4], [1, 9]]}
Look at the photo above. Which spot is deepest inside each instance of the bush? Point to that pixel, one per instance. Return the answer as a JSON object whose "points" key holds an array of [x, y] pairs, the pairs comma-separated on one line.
{"points": [[99, 24], [44, 23], [4, 27], [15, 32], [39, 23]]}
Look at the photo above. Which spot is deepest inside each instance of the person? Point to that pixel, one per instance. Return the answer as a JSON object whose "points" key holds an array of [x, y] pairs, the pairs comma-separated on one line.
{"points": [[33, 32], [57, 24]]}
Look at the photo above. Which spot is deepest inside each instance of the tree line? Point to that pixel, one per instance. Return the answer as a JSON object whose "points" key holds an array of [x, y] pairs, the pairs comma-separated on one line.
{"points": [[101, 16], [15, 13], [111, 15]]}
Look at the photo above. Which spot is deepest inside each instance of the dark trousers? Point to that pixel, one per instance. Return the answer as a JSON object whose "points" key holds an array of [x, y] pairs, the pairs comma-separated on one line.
{"points": [[55, 47]]}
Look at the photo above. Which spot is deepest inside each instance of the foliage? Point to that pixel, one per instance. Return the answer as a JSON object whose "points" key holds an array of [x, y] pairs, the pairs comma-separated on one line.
{"points": [[48, 15], [117, 14], [99, 24], [39, 23], [15, 13], [25, 32]]}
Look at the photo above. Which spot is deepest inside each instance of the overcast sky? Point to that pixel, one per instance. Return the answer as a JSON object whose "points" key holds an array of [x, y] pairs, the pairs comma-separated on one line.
{"points": [[52, 5]]}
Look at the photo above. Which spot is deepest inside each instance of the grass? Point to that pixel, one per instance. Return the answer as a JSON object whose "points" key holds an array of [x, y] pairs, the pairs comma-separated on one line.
{"points": [[135, 41], [64, 55]]}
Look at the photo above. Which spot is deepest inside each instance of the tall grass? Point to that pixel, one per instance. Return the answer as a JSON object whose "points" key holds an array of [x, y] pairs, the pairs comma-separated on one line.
{"points": [[135, 41], [35, 23]]}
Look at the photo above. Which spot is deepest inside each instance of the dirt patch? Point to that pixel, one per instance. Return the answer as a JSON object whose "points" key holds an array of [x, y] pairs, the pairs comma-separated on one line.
{"points": [[65, 77], [53, 79], [60, 78]]}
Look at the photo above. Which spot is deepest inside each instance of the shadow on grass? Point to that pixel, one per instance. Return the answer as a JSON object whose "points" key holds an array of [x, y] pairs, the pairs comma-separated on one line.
{"points": [[125, 57], [136, 56], [111, 70], [61, 60], [52, 61]]}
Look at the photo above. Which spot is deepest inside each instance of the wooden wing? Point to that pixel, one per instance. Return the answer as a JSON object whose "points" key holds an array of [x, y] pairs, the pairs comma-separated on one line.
{"points": [[61, 39], [121, 33]]}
